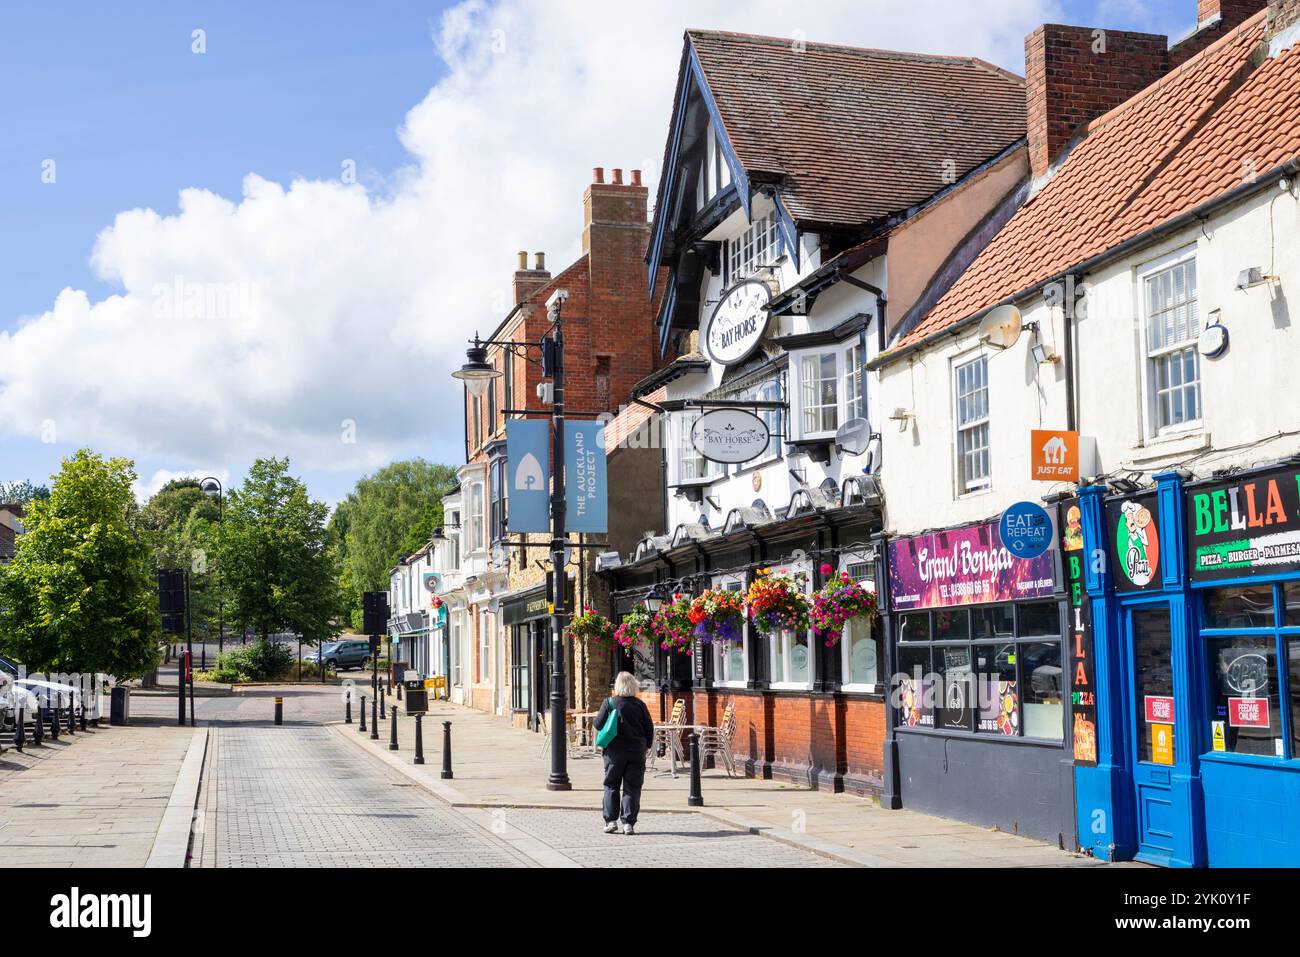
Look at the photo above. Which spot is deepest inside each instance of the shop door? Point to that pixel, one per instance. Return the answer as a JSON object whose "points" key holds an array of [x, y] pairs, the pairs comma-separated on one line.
{"points": [[1163, 819]]}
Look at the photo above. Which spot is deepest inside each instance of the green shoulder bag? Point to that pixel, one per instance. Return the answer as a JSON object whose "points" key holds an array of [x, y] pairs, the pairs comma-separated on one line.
{"points": [[610, 729]]}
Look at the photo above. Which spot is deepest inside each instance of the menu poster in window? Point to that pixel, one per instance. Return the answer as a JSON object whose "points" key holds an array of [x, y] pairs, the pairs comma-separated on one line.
{"points": [[1000, 711], [1083, 696], [1134, 542], [1244, 526], [964, 566]]}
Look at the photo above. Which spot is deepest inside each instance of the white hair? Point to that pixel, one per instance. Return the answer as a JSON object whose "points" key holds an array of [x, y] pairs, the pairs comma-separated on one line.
{"points": [[626, 685]]}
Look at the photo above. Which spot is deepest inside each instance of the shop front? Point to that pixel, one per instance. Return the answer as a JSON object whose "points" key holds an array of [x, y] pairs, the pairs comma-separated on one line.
{"points": [[977, 712], [1197, 617]]}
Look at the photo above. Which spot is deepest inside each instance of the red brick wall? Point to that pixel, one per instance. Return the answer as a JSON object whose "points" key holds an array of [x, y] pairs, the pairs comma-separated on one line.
{"points": [[1232, 12], [1075, 74]]}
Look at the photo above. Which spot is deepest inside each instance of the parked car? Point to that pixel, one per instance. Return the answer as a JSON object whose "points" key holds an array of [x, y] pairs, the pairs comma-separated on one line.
{"points": [[342, 655]]}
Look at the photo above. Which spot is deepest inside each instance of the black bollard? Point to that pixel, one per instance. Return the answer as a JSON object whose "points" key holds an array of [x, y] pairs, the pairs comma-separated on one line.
{"points": [[695, 798], [54, 719], [399, 691], [392, 731], [279, 710], [362, 729], [419, 740], [38, 725], [446, 750], [72, 718], [374, 719], [347, 708], [20, 732], [383, 712]]}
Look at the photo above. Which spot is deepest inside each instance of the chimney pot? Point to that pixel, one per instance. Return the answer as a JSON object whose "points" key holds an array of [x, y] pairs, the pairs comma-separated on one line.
{"points": [[636, 177], [523, 259], [541, 262], [618, 177], [598, 174]]}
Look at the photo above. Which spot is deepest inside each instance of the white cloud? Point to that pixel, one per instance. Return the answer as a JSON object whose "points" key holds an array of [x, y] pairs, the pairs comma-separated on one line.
{"points": [[145, 489], [299, 317]]}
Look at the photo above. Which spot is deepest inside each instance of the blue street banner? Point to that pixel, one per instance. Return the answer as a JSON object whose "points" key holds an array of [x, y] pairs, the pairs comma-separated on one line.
{"points": [[528, 465], [585, 486]]}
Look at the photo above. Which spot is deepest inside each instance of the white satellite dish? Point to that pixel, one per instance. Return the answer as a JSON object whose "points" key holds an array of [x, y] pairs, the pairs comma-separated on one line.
{"points": [[1001, 327], [854, 436]]}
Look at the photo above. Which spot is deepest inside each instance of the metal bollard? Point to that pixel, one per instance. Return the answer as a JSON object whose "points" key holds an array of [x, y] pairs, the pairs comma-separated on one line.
{"points": [[362, 729], [399, 691], [279, 710], [72, 718], [38, 725], [54, 720], [446, 750], [374, 719], [419, 739], [20, 732], [383, 712], [392, 731], [347, 708], [695, 798]]}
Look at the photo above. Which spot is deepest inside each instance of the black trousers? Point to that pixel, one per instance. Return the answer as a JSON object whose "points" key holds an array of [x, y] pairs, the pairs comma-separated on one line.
{"points": [[625, 771]]}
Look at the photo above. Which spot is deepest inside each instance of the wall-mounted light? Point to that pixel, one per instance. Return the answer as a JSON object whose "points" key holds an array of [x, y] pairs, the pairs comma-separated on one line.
{"points": [[1254, 276], [1042, 354]]}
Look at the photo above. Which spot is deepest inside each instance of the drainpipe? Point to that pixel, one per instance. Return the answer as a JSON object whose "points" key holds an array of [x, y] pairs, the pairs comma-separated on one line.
{"points": [[882, 302], [1071, 400]]}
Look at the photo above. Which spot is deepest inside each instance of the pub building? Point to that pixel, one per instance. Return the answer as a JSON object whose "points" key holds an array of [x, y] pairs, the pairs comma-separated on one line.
{"points": [[1196, 617], [789, 237], [978, 716]]}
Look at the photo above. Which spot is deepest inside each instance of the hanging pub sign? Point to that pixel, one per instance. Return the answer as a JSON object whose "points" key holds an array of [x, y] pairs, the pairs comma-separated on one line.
{"points": [[1134, 542], [964, 566], [730, 436], [1248, 525], [736, 326], [1083, 695]]}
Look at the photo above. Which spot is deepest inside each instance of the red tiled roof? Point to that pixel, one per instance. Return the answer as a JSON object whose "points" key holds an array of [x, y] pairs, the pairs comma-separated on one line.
{"points": [[857, 133], [1179, 143]]}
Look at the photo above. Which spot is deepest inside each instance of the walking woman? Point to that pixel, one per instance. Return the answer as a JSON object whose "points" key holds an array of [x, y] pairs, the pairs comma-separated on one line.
{"points": [[625, 755]]}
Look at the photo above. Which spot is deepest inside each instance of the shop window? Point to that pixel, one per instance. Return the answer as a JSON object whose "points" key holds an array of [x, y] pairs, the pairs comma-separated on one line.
{"points": [[859, 648], [519, 667], [729, 658], [1291, 603], [992, 671], [1153, 678], [916, 700], [1245, 708], [1293, 683], [792, 660], [1250, 606]]}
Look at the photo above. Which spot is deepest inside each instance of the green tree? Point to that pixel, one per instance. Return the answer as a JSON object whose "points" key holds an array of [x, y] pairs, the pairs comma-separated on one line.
{"points": [[79, 595], [389, 514], [22, 493], [279, 569], [184, 532]]}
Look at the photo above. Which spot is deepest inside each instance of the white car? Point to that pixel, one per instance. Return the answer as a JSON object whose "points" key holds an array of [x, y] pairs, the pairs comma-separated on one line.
{"points": [[51, 694]]}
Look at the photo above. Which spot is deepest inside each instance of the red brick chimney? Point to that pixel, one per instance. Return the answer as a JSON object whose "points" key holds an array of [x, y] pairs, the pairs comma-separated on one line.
{"points": [[1075, 74], [527, 281], [613, 209], [1282, 15], [1214, 19]]}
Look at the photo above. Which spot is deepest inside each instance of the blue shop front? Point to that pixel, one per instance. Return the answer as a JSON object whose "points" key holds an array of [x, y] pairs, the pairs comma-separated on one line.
{"points": [[1186, 648]]}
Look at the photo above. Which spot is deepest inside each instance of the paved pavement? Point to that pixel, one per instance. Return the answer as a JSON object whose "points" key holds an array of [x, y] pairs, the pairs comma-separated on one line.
{"points": [[94, 799]]}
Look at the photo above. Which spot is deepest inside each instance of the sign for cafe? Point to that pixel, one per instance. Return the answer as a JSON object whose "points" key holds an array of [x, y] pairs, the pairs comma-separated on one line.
{"points": [[1134, 529], [1245, 526], [730, 436]]}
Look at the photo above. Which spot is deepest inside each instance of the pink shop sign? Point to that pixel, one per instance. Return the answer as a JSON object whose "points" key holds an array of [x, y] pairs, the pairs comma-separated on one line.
{"points": [[964, 566]]}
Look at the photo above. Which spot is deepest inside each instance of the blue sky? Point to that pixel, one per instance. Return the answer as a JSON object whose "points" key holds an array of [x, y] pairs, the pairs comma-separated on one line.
{"points": [[130, 115]]}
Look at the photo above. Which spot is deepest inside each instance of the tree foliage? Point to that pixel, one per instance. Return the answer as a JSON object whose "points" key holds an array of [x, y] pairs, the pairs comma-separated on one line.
{"points": [[279, 570], [22, 493], [80, 595], [184, 532], [389, 514]]}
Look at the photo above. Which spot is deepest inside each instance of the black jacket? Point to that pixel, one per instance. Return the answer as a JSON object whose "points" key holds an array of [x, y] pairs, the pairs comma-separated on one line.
{"points": [[636, 730]]}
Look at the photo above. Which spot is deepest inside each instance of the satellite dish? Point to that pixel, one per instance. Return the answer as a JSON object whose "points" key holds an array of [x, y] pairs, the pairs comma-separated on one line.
{"points": [[1000, 327], [854, 436]]}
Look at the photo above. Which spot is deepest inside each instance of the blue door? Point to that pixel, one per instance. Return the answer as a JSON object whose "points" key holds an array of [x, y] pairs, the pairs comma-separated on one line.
{"points": [[1160, 766]]}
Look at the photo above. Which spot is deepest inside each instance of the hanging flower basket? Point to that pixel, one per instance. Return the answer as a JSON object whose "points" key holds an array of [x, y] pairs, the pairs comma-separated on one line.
{"points": [[672, 625], [594, 627], [836, 603], [635, 629], [777, 602], [718, 615]]}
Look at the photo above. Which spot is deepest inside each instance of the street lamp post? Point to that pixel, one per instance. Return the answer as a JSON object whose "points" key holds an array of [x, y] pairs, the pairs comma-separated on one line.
{"points": [[208, 485], [478, 374]]}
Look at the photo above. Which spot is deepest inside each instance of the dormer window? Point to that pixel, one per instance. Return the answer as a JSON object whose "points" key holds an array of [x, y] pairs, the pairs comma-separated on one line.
{"points": [[757, 246]]}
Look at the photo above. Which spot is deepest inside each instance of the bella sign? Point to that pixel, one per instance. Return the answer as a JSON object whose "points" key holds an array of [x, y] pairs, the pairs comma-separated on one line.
{"points": [[732, 436], [737, 324]]}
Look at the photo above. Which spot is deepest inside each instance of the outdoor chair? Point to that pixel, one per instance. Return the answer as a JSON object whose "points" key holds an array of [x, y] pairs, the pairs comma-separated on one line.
{"points": [[717, 741], [670, 734]]}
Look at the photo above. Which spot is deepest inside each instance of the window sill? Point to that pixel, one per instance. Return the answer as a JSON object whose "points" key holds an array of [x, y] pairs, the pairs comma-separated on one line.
{"points": [[1254, 760], [860, 689], [1172, 442], [731, 684], [975, 492], [791, 686]]}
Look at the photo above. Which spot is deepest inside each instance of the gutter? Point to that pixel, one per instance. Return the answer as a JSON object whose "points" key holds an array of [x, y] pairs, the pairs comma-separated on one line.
{"points": [[1289, 168]]}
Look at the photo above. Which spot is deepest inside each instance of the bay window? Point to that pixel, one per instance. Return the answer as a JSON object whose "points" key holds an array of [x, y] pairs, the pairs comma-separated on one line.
{"points": [[855, 392], [819, 378]]}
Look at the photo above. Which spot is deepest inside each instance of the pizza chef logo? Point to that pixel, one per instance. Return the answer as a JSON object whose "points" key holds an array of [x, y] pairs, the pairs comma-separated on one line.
{"points": [[1137, 543]]}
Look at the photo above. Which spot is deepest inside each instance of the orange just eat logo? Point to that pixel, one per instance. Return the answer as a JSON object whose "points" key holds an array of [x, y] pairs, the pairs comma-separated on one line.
{"points": [[1054, 455]]}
